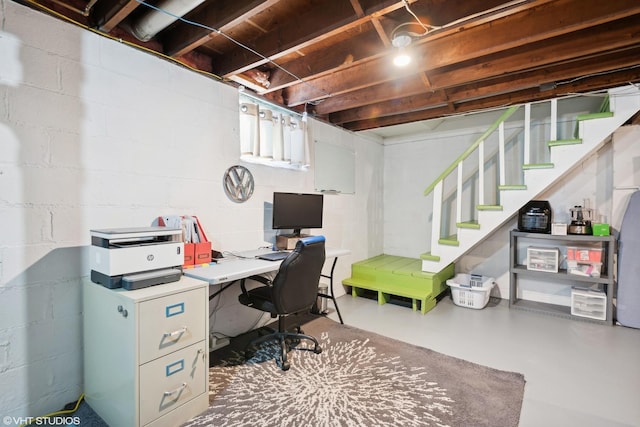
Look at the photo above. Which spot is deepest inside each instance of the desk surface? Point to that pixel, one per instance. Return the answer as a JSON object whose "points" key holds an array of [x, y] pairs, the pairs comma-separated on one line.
{"points": [[245, 265]]}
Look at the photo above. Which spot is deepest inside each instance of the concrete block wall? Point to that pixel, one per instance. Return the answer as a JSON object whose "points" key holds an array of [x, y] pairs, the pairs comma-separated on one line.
{"points": [[95, 134]]}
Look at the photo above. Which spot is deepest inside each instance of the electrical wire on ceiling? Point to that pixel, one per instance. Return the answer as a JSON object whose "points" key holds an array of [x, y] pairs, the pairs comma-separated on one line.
{"points": [[167, 57], [602, 73], [404, 38], [325, 94], [427, 28], [237, 43]]}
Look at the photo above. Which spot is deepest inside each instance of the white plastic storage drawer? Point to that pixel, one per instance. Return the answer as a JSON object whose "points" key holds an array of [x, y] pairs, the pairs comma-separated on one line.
{"points": [[172, 380], [543, 259], [589, 303], [172, 322]]}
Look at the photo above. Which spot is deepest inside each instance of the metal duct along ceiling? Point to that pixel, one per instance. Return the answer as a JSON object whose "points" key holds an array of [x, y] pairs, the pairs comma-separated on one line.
{"points": [[156, 20]]}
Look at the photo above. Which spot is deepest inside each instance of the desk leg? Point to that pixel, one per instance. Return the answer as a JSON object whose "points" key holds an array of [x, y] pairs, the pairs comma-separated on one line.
{"points": [[333, 298]]}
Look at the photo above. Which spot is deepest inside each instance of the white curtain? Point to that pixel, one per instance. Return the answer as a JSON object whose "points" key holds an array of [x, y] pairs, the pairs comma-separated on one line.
{"points": [[248, 128], [269, 134], [266, 133], [299, 141], [286, 138], [278, 141]]}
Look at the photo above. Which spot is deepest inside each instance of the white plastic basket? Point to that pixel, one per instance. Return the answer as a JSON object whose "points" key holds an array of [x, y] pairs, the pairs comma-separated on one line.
{"points": [[471, 290]]}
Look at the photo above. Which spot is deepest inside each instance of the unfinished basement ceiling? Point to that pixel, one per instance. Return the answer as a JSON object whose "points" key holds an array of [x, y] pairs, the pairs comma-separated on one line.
{"points": [[333, 58]]}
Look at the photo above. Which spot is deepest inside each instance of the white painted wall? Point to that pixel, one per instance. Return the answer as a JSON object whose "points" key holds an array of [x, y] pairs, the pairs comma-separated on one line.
{"points": [[95, 134]]}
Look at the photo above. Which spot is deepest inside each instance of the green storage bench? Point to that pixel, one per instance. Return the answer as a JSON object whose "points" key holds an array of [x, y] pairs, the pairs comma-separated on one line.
{"points": [[400, 276]]}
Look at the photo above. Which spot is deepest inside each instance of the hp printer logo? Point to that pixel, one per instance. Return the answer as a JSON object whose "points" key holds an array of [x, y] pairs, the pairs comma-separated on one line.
{"points": [[150, 257]]}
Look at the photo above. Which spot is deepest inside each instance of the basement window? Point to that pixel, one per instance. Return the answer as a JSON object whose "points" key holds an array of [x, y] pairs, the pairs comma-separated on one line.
{"points": [[273, 136]]}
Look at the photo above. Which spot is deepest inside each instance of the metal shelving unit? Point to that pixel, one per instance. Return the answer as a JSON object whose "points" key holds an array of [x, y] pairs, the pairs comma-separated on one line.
{"points": [[517, 269]]}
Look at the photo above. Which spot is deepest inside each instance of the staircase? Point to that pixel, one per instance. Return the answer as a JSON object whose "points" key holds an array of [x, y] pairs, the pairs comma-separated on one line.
{"points": [[510, 164]]}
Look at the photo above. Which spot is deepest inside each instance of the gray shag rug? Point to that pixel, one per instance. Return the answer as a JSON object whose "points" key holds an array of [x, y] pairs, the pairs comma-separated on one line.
{"points": [[359, 379]]}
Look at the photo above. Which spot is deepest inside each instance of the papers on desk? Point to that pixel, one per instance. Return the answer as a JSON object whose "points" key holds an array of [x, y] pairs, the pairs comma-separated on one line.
{"points": [[197, 248]]}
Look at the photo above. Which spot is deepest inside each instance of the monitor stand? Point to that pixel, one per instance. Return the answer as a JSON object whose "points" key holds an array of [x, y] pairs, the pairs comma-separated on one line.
{"points": [[288, 241]]}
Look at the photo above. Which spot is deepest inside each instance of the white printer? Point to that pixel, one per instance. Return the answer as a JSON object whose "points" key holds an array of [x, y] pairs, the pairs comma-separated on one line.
{"points": [[133, 258]]}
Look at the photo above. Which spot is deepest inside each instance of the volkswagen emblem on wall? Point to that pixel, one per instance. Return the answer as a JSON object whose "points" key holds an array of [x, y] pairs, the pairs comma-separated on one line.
{"points": [[238, 183]]}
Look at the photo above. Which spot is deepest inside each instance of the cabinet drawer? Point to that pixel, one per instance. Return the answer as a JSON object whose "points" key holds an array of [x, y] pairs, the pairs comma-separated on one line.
{"points": [[171, 322], [171, 381]]}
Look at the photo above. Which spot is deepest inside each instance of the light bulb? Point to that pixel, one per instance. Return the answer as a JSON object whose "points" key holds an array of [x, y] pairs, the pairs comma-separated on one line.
{"points": [[402, 58]]}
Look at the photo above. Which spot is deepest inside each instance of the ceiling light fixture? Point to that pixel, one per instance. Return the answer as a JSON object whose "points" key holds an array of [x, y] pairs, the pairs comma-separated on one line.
{"points": [[402, 38], [402, 58]]}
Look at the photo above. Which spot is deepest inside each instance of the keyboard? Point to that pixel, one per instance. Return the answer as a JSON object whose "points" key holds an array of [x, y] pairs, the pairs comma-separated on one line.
{"points": [[274, 256]]}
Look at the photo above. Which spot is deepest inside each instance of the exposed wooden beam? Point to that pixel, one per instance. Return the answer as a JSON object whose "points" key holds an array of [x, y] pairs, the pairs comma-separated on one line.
{"points": [[588, 84], [220, 15], [557, 75], [319, 23], [526, 27], [108, 14], [360, 46], [357, 8], [304, 71]]}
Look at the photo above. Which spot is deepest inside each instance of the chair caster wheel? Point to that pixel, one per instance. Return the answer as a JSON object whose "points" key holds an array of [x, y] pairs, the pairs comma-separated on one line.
{"points": [[317, 350], [286, 366]]}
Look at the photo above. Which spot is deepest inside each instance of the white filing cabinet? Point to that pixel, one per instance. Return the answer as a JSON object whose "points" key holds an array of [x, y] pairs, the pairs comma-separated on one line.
{"points": [[146, 356]]}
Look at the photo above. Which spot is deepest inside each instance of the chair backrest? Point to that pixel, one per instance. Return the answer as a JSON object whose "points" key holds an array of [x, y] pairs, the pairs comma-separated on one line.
{"points": [[295, 287]]}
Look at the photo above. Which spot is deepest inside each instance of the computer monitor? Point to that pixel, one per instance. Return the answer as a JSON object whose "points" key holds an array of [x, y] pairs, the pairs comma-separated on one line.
{"points": [[297, 211]]}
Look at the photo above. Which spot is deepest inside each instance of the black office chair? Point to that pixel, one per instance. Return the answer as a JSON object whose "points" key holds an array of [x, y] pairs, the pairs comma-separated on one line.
{"points": [[293, 290]]}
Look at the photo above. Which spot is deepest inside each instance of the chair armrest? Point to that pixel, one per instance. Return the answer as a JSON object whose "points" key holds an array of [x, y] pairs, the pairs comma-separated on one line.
{"points": [[262, 279]]}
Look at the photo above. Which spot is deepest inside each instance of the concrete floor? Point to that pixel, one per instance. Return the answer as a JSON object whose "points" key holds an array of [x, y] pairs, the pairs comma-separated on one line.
{"points": [[577, 373]]}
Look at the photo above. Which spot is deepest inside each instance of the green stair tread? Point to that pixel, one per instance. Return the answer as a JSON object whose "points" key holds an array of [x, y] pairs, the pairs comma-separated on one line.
{"points": [[512, 187], [489, 207], [560, 142], [377, 262], [413, 269], [428, 256], [449, 241], [538, 166], [408, 269], [474, 225], [591, 116]]}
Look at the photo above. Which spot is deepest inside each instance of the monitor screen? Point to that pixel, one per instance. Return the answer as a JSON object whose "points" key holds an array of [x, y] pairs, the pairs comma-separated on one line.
{"points": [[296, 211]]}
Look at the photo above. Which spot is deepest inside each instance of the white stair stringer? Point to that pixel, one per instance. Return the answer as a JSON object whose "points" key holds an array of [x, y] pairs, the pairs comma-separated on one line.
{"points": [[624, 103]]}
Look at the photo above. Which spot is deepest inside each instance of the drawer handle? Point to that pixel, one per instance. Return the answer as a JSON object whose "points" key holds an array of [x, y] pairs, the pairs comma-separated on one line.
{"points": [[175, 333], [176, 391], [174, 310]]}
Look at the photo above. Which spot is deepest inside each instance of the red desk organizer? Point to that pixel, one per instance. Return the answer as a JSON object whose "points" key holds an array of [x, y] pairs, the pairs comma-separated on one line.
{"points": [[195, 253]]}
